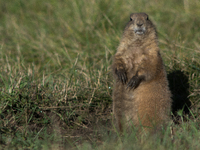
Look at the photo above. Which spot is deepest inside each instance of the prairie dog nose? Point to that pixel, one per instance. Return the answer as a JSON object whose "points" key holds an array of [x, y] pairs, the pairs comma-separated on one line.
{"points": [[139, 24]]}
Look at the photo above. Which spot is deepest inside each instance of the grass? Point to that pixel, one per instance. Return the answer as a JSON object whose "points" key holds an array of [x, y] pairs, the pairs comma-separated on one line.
{"points": [[55, 77]]}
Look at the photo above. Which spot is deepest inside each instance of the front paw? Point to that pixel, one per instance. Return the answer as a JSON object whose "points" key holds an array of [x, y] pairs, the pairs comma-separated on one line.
{"points": [[134, 82], [121, 73]]}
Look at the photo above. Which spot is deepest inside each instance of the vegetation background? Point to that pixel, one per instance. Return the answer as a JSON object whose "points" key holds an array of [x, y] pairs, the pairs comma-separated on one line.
{"points": [[55, 77]]}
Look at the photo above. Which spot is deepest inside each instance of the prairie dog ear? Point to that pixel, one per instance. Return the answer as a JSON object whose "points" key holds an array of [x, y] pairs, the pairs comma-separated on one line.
{"points": [[147, 17], [131, 16]]}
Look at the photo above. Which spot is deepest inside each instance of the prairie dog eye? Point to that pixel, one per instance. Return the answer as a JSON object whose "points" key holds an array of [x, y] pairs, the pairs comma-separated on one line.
{"points": [[131, 19], [147, 18]]}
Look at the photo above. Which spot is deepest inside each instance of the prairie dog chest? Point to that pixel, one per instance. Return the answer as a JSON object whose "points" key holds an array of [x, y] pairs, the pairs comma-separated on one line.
{"points": [[134, 59]]}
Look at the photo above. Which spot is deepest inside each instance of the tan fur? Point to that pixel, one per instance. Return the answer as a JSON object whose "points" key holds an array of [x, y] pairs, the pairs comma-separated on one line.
{"points": [[141, 95]]}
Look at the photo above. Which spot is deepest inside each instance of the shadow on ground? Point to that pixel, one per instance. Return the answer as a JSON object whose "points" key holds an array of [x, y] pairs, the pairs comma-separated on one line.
{"points": [[179, 86]]}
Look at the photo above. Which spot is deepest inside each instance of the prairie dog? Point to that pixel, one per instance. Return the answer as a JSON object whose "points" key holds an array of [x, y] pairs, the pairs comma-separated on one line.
{"points": [[141, 96]]}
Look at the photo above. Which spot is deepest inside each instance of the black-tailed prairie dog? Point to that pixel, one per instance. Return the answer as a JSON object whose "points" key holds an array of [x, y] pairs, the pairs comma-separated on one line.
{"points": [[141, 96]]}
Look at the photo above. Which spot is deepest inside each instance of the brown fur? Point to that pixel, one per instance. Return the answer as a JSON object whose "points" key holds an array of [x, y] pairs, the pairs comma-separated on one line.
{"points": [[141, 94]]}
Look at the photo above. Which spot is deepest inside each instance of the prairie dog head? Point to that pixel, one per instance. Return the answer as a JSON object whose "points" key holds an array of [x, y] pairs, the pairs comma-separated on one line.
{"points": [[139, 24]]}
